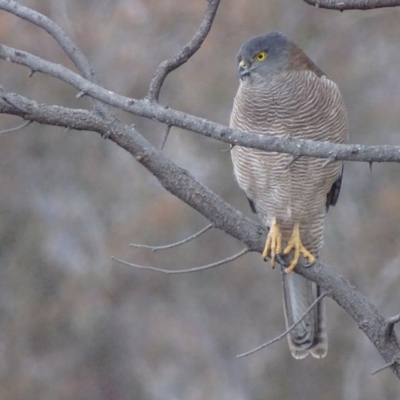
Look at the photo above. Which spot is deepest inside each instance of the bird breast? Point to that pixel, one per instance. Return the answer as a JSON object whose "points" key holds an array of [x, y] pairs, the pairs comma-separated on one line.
{"points": [[297, 104]]}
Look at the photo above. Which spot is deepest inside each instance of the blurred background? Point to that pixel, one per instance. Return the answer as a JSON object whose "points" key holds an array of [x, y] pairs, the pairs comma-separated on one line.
{"points": [[74, 324]]}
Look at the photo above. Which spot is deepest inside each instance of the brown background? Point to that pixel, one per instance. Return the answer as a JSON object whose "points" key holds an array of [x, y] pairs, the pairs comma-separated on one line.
{"points": [[75, 325]]}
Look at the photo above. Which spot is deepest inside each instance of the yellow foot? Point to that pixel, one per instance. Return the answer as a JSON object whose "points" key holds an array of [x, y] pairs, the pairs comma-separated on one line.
{"points": [[273, 244], [299, 249]]}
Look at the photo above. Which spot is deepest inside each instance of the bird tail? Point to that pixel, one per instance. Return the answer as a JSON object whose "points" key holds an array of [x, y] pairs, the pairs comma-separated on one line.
{"points": [[309, 336]]}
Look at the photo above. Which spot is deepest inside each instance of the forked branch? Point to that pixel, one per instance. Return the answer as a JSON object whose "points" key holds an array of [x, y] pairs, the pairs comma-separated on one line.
{"points": [[186, 270]]}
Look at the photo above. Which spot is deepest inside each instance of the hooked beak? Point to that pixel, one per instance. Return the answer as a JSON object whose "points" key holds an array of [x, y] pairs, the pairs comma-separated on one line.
{"points": [[244, 69]]}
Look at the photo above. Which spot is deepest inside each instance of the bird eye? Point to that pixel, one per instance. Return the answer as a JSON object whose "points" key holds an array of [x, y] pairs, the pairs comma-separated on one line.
{"points": [[261, 56]]}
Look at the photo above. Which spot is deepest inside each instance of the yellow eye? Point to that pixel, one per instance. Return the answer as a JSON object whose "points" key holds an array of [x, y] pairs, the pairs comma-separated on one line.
{"points": [[261, 56]]}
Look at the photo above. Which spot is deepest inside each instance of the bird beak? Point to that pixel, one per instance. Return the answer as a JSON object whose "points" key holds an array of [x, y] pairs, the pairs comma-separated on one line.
{"points": [[243, 69]]}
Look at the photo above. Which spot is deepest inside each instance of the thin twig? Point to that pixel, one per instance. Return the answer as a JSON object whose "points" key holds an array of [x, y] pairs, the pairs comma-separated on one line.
{"points": [[231, 146], [388, 365], [292, 160], [17, 128], [185, 54], [166, 134], [327, 162], [282, 335], [390, 323], [184, 271], [171, 245], [342, 5]]}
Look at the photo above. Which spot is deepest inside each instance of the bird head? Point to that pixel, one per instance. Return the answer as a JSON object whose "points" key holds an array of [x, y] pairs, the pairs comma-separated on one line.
{"points": [[264, 56]]}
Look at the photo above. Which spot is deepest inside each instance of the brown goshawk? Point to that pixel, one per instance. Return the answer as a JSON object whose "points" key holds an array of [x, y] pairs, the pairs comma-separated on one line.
{"points": [[283, 93]]}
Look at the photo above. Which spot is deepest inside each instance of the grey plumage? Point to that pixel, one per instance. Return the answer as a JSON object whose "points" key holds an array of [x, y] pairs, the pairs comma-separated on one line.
{"points": [[283, 93]]}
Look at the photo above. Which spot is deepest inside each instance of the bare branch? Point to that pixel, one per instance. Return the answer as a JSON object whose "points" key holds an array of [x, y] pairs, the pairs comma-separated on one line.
{"points": [[17, 128], [169, 116], [282, 335], [189, 270], [185, 54], [55, 31], [170, 246], [293, 159], [327, 162], [166, 134], [228, 149], [65, 42], [175, 180], [390, 323], [369, 320], [393, 320], [342, 5], [386, 366]]}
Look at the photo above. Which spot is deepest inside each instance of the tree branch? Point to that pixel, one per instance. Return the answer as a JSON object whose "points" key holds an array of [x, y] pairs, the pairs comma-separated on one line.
{"points": [[188, 270], [172, 245], [169, 116], [185, 54], [55, 31], [174, 179], [369, 320], [342, 5], [16, 128], [65, 42]]}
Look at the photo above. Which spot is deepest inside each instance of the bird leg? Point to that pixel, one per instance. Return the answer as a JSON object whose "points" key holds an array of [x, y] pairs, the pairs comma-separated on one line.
{"points": [[299, 249], [273, 243]]}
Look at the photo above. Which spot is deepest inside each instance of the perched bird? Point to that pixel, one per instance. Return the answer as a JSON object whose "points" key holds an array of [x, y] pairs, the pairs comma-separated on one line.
{"points": [[283, 93]]}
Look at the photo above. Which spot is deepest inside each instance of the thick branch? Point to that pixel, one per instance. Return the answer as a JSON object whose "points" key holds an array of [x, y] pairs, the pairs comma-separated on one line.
{"points": [[342, 5], [169, 116], [369, 320], [185, 54], [176, 180]]}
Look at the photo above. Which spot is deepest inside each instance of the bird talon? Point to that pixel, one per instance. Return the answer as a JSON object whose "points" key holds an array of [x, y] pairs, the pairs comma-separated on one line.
{"points": [[273, 244], [299, 250]]}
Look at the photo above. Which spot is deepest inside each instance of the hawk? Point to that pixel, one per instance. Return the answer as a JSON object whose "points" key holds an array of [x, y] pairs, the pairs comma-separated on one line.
{"points": [[283, 93]]}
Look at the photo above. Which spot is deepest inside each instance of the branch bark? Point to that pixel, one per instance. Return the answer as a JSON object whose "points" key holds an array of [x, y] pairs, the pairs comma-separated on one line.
{"points": [[341, 5]]}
